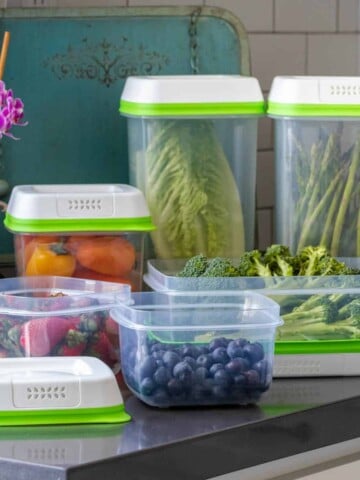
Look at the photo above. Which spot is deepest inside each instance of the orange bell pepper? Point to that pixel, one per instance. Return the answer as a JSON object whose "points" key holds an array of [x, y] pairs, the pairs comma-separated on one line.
{"points": [[108, 255], [51, 259]]}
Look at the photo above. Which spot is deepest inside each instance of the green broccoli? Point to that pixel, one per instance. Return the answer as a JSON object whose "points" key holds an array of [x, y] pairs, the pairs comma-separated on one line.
{"points": [[251, 265], [322, 311], [351, 309], [279, 260], [310, 258], [194, 267], [220, 267]]}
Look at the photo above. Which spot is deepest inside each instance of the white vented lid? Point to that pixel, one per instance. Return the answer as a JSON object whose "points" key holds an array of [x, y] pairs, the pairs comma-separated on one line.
{"points": [[314, 96], [77, 208]]}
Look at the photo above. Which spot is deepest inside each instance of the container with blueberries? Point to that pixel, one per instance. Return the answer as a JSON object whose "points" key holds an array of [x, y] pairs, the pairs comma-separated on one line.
{"points": [[197, 348]]}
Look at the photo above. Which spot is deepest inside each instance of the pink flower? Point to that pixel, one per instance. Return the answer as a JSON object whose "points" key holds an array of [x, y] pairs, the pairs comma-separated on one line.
{"points": [[11, 111]]}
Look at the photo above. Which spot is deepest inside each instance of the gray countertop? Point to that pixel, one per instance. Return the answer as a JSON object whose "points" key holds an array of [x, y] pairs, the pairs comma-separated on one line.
{"points": [[294, 416]]}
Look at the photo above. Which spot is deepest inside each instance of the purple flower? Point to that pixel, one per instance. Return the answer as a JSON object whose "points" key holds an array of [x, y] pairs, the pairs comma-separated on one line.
{"points": [[11, 111]]}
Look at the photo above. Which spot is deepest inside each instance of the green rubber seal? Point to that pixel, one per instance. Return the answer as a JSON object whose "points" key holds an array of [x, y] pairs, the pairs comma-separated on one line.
{"points": [[20, 225], [191, 109], [312, 110], [113, 414], [317, 347]]}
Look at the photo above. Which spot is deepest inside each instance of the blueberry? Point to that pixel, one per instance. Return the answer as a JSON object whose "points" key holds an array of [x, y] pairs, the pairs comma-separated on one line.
{"points": [[263, 369], [240, 379], [147, 386], [159, 363], [218, 342], [223, 378], [215, 367], [233, 350], [241, 342], [237, 365], [147, 367], [204, 360], [160, 397], [158, 354], [190, 351], [219, 355], [174, 387], [181, 369], [190, 361], [203, 350], [252, 377], [254, 352], [208, 385], [201, 373], [156, 346], [219, 392], [162, 376], [197, 393], [170, 359]]}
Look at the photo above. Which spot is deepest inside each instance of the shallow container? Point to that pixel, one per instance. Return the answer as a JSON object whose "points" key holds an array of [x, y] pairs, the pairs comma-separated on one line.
{"points": [[317, 162], [188, 349], [42, 316], [192, 143], [84, 231], [307, 344]]}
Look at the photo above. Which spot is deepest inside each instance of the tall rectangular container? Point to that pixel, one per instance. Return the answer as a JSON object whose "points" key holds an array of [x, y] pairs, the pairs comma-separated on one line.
{"points": [[317, 162], [192, 151]]}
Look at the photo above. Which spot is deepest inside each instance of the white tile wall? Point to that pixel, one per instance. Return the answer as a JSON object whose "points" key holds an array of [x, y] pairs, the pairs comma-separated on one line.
{"points": [[286, 37], [256, 15], [305, 15], [277, 54], [333, 54]]}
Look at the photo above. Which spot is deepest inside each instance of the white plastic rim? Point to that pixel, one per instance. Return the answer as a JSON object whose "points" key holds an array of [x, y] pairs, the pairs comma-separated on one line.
{"points": [[207, 89]]}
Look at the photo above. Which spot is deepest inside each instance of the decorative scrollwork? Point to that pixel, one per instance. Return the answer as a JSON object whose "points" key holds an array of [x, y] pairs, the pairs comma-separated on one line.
{"points": [[105, 62]]}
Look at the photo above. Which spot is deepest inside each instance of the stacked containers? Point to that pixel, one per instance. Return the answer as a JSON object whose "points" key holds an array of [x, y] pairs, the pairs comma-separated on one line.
{"points": [[192, 151], [85, 231], [317, 158]]}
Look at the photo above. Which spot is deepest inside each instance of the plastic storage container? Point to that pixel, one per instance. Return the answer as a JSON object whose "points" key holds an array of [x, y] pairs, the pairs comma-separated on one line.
{"points": [[44, 316], [192, 151], [84, 231], [321, 331], [196, 348], [317, 157]]}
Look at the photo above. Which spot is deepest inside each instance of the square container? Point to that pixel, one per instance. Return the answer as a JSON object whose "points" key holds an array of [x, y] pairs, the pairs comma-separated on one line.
{"points": [[192, 151], [317, 339], [84, 231], [44, 316], [317, 162], [188, 349]]}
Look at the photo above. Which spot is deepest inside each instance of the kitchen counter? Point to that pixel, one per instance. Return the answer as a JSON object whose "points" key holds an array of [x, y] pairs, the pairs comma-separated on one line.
{"points": [[293, 417]]}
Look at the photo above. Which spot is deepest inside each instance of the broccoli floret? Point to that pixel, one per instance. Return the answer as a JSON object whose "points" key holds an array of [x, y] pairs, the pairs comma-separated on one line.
{"points": [[310, 303], [331, 266], [251, 265], [351, 309], [278, 258], [220, 267], [194, 267], [310, 258], [323, 311]]}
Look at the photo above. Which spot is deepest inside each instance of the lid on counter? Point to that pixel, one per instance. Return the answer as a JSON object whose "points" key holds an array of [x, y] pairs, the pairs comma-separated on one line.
{"points": [[192, 95], [314, 96], [77, 208]]}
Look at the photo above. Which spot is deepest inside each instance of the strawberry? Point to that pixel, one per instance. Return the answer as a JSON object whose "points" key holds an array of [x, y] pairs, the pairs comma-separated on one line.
{"points": [[74, 344], [111, 326], [101, 347], [40, 335]]}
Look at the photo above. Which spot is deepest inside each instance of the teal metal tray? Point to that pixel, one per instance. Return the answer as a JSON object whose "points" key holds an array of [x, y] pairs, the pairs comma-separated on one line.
{"points": [[69, 67]]}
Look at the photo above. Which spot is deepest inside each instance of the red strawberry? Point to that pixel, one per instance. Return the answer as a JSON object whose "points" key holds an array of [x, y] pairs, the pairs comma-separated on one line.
{"points": [[111, 326], [74, 344], [40, 335], [101, 347]]}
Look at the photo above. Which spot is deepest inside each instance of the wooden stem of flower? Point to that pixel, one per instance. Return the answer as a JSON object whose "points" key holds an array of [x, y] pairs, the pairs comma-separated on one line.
{"points": [[3, 54]]}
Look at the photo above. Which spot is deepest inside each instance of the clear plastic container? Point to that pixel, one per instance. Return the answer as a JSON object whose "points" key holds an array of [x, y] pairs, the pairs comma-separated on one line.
{"points": [[82, 231], [43, 316], [191, 349], [330, 325], [317, 162], [192, 151]]}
